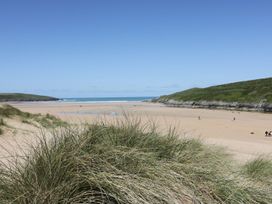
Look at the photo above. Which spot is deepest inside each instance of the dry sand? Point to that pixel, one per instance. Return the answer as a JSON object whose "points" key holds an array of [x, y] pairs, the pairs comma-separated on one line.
{"points": [[242, 137]]}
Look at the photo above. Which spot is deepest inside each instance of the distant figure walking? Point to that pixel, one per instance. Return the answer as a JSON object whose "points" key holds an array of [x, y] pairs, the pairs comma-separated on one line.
{"points": [[268, 133], [234, 118], [199, 118]]}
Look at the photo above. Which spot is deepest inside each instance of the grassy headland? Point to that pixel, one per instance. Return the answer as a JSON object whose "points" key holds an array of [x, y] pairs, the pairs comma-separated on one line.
{"points": [[254, 95], [128, 163], [24, 97], [253, 91]]}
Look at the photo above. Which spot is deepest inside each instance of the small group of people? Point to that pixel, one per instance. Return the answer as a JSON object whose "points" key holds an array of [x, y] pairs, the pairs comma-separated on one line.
{"points": [[268, 133]]}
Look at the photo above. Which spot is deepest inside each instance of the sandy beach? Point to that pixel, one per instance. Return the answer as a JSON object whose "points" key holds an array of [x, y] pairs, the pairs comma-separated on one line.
{"points": [[243, 137]]}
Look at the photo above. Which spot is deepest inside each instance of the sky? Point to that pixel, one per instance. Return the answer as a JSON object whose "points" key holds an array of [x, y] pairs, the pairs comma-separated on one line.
{"points": [[97, 48]]}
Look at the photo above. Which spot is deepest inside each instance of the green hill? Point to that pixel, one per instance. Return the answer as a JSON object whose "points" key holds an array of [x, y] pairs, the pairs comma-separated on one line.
{"points": [[253, 91], [24, 97]]}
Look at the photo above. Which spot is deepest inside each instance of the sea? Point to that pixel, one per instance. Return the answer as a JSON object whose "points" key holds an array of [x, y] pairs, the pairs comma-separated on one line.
{"points": [[107, 99]]}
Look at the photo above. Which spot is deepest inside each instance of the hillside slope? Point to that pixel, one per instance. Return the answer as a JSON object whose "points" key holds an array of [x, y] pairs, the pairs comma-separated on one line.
{"points": [[24, 97], [253, 94]]}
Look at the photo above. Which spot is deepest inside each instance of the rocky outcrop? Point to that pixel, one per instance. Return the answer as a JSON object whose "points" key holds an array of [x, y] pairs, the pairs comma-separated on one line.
{"points": [[260, 107]]}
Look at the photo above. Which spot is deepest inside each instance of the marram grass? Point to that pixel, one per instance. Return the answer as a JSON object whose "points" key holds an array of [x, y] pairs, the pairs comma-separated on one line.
{"points": [[125, 163], [46, 121], [260, 169]]}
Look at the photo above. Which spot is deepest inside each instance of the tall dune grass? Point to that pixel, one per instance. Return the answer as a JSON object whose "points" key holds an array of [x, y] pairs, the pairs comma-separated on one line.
{"points": [[46, 121], [125, 163], [259, 169]]}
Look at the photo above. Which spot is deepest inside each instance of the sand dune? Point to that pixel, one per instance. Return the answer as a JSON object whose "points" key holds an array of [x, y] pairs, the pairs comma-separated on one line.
{"points": [[243, 137]]}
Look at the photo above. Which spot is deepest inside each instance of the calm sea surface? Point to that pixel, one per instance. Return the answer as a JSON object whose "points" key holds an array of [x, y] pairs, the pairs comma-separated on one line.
{"points": [[107, 99]]}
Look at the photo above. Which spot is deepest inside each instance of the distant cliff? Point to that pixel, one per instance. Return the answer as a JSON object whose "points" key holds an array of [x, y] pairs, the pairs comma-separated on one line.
{"points": [[254, 95], [4, 97], [261, 107]]}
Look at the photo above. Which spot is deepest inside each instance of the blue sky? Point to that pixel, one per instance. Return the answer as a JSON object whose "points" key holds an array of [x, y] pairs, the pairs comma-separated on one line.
{"points": [[98, 48]]}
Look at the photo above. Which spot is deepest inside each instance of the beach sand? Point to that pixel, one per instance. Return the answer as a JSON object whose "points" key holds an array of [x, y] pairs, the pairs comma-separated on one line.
{"points": [[243, 137]]}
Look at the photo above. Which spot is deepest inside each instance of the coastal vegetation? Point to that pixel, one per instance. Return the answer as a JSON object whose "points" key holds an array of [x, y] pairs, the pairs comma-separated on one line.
{"points": [[24, 97], [46, 121], [2, 123], [254, 95], [253, 91], [260, 169], [129, 162]]}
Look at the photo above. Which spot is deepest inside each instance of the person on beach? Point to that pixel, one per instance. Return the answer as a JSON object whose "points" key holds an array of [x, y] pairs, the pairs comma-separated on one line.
{"points": [[266, 133]]}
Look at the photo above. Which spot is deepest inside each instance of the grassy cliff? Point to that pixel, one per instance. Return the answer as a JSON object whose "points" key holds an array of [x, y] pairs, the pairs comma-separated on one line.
{"points": [[253, 91], [24, 97]]}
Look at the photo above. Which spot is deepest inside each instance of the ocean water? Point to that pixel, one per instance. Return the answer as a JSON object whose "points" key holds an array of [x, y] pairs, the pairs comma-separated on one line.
{"points": [[107, 99]]}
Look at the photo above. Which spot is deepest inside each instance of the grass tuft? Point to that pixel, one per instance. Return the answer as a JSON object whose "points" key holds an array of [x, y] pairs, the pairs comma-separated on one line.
{"points": [[259, 169], [26, 121], [2, 122], [46, 121], [8, 111], [125, 163]]}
